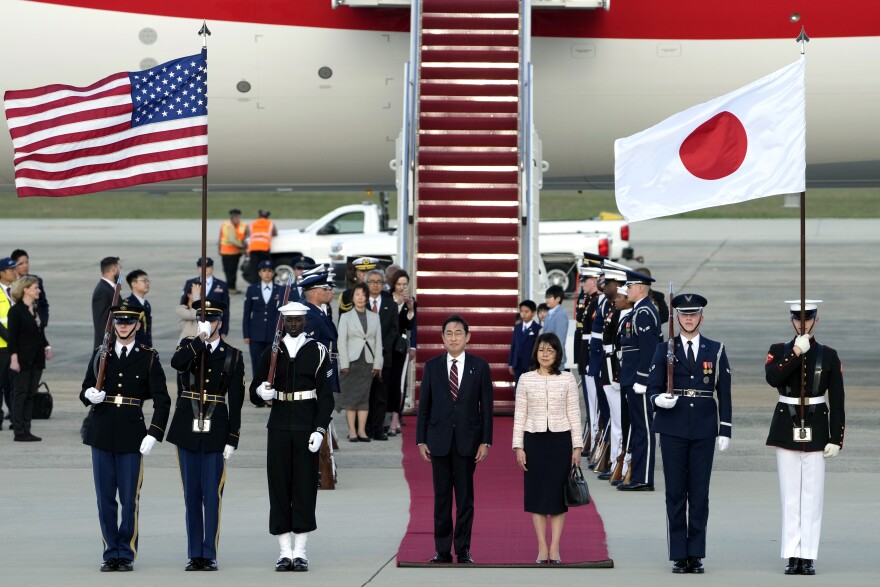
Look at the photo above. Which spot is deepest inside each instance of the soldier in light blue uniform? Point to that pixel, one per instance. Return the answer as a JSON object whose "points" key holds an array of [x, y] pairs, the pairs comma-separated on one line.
{"points": [[640, 331], [688, 421]]}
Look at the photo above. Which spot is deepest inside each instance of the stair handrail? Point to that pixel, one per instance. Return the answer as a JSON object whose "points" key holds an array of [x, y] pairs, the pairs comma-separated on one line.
{"points": [[526, 154], [406, 198]]}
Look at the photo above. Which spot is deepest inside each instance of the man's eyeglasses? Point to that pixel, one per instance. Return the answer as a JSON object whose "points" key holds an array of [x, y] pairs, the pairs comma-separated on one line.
{"points": [[375, 281]]}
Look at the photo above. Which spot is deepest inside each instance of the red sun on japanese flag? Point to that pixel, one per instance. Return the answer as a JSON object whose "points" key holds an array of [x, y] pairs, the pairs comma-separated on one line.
{"points": [[716, 148]]}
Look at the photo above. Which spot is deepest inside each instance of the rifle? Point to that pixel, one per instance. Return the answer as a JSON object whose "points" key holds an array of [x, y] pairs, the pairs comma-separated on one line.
{"points": [[279, 332], [617, 472], [670, 349], [325, 463], [108, 328]]}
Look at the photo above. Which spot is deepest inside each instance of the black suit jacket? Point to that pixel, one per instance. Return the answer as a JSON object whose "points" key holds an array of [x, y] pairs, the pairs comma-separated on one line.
{"points": [[388, 319], [470, 417], [102, 299], [26, 339]]}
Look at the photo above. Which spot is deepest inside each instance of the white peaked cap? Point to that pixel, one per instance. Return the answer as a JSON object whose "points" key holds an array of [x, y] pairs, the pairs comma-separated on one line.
{"points": [[293, 309]]}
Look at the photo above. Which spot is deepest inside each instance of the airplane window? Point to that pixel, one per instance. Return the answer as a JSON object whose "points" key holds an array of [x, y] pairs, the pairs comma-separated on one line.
{"points": [[351, 223]]}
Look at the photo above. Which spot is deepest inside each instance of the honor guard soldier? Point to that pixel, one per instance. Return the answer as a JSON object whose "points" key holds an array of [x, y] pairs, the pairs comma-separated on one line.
{"points": [[261, 302], [317, 285], [206, 427], [585, 311], [641, 330], [117, 433], [361, 266], [688, 421], [807, 428], [302, 403]]}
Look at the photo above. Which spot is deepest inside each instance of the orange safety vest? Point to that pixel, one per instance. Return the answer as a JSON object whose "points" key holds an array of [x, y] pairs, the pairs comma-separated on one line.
{"points": [[232, 238], [261, 235]]}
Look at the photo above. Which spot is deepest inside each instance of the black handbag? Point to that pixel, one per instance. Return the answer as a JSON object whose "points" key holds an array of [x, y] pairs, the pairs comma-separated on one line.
{"points": [[576, 490], [401, 344], [42, 403]]}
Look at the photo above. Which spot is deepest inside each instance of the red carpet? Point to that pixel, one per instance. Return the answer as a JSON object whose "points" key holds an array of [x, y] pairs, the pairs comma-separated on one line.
{"points": [[503, 535]]}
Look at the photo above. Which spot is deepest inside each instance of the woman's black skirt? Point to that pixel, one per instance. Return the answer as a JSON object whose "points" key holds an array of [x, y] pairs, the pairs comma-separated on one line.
{"points": [[548, 460]]}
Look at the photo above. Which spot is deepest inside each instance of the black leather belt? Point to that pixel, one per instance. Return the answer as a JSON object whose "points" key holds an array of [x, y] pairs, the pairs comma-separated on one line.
{"points": [[693, 393]]}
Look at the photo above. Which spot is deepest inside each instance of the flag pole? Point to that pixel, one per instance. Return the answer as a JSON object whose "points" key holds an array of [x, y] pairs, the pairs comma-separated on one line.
{"points": [[204, 33], [802, 40]]}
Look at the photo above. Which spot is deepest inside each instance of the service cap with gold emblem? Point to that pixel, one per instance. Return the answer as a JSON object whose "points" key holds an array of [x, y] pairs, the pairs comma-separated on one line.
{"points": [[365, 263], [213, 309], [127, 312], [689, 303]]}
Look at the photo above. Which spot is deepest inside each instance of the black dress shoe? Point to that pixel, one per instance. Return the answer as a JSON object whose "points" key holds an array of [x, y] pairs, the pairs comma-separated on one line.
{"points": [[283, 565], [542, 561], [194, 564], [604, 476], [380, 436], [32, 438], [209, 564], [441, 558], [109, 565], [124, 565], [807, 567], [695, 565], [680, 566], [635, 487], [300, 565], [617, 483], [464, 557], [554, 561], [353, 439], [793, 567], [363, 439]]}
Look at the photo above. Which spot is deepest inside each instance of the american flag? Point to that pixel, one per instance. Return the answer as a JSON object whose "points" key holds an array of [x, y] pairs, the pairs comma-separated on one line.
{"points": [[127, 129]]}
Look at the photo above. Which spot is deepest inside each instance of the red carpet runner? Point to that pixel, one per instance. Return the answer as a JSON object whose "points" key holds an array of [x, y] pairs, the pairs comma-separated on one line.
{"points": [[503, 535]]}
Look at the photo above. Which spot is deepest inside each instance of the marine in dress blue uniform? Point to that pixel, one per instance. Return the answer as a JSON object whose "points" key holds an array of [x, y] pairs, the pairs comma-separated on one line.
{"points": [[640, 332], [688, 421], [217, 290], [118, 435], [302, 404], [202, 452], [261, 316], [805, 433]]}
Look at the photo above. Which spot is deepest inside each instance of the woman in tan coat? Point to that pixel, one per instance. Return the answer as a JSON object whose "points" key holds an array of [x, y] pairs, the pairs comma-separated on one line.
{"points": [[547, 440]]}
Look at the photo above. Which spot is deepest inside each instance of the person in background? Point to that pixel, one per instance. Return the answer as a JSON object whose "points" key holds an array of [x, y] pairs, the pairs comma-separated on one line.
{"points": [[542, 312], [390, 272], [231, 243], [547, 440], [556, 320], [102, 297], [658, 298], [215, 289], [381, 303], [186, 314], [261, 303], [7, 278], [360, 361], [403, 350], [139, 282], [259, 244], [23, 268], [522, 345], [28, 352], [361, 265]]}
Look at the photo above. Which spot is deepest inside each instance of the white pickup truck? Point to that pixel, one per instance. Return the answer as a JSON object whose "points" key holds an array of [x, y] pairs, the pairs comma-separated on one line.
{"points": [[363, 229]]}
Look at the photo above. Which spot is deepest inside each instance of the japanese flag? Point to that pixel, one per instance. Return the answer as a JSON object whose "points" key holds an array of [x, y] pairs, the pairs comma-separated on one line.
{"points": [[748, 144]]}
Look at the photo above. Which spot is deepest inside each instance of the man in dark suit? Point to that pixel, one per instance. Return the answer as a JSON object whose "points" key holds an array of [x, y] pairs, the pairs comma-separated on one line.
{"points": [[261, 303], [102, 297], [454, 433], [215, 289], [139, 282], [523, 342], [380, 302], [688, 420], [118, 435]]}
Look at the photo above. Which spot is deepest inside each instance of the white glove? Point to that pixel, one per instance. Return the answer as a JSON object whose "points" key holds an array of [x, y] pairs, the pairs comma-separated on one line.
{"points": [[315, 441], [95, 396], [723, 443], [227, 452], [615, 386], [665, 401], [803, 342], [147, 445], [831, 450], [204, 330], [639, 388], [265, 391]]}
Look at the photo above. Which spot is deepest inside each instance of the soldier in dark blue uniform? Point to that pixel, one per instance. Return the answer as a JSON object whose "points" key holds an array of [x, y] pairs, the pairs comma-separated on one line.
{"points": [[804, 432], [203, 448], [216, 290], [261, 302], [361, 266], [117, 434], [688, 421], [317, 285], [302, 403], [638, 340], [585, 310]]}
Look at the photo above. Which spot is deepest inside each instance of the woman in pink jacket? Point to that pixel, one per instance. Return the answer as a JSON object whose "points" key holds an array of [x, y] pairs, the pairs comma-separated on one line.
{"points": [[547, 440]]}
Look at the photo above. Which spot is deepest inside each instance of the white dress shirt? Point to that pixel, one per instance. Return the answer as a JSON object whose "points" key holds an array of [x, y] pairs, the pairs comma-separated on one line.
{"points": [[459, 364]]}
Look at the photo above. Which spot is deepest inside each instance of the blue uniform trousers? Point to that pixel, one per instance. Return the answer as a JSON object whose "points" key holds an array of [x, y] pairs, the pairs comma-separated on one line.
{"points": [[641, 439], [604, 409], [203, 475], [256, 349], [687, 466], [122, 473]]}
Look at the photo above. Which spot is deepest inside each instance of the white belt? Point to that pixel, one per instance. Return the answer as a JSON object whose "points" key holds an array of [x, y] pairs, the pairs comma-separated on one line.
{"points": [[796, 401], [609, 348], [296, 395]]}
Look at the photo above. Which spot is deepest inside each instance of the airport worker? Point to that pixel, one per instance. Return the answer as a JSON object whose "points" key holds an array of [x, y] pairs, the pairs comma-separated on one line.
{"points": [[231, 243], [139, 282], [7, 278], [205, 428], [641, 331], [117, 432], [689, 420], [261, 303], [215, 289], [302, 403], [807, 428], [454, 433], [361, 266], [260, 242]]}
